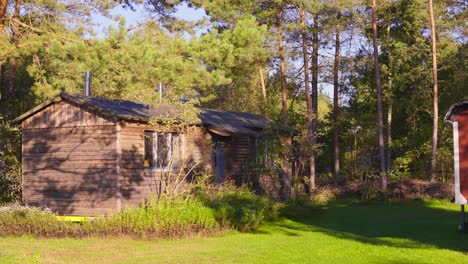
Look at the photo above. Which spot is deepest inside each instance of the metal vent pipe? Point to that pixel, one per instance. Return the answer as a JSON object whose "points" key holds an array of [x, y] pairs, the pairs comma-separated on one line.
{"points": [[87, 84]]}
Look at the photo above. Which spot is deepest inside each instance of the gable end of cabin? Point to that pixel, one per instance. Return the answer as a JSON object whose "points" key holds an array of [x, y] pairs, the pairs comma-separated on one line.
{"points": [[69, 160]]}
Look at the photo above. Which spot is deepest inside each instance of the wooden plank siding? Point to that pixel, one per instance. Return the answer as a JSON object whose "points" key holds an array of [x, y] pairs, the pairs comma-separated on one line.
{"points": [[239, 151], [69, 161], [198, 146]]}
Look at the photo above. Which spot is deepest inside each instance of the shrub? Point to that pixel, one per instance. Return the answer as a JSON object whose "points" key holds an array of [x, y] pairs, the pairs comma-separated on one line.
{"points": [[10, 166], [300, 208], [236, 208], [323, 196], [164, 217], [370, 191], [18, 220], [240, 208]]}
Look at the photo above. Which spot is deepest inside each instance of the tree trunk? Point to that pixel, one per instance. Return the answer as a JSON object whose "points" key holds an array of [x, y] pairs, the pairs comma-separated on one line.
{"points": [[315, 47], [390, 109], [286, 164], [262, 80], [435, 122], [3, 8], [383, 172], [308, 100], [15, 37], [336, 148], [389, 137], [284, 91], [2, 96]]}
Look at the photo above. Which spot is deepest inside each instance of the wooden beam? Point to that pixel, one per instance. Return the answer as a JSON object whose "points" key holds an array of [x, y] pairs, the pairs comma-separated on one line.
{"points": [[118, 167]]}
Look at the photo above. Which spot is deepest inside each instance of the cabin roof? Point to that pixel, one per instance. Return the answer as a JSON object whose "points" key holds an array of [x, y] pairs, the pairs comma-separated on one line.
{"points": [[455, 109], [229, 122]]}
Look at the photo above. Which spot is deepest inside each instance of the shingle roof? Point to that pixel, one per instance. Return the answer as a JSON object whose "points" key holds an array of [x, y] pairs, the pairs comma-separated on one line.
{"points": [[233, 122], [227, 121], [454, 109]]}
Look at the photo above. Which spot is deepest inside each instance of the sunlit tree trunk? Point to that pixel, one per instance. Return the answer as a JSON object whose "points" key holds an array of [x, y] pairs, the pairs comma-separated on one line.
{"points": [[262, 81], [284, 91], [15, 38], [389, 137], [3, 8], [315, 47], [383, 172], [286, 181], [308, 100], [435, 120], [336, 149]]}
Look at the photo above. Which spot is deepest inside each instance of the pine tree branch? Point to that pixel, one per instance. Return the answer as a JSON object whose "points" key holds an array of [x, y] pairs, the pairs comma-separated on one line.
{"points": [[19, 23]]}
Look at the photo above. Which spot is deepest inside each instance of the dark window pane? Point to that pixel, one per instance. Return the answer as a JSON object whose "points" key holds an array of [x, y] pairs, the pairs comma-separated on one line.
{"points": [[164, 150], [175, 151], [149, 158]]}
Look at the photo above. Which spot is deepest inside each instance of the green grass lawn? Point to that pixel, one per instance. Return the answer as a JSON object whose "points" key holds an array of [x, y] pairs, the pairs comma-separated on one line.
{"points": [[342, 232]]}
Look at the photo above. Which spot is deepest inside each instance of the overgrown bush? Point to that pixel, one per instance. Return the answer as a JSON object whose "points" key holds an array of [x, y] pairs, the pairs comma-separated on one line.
{"points": [[240, 208], [323, 196], [16, 220], [396, 190], [163, 217], [157, 217], [300, 208]]}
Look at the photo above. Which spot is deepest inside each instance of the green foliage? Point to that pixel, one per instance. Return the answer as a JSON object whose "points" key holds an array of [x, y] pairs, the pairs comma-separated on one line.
{"points": [[406, 64], [162, 217], [240, 208], [238, 53], [158, 216], [370, 191], [130, 66], [10, 166]]}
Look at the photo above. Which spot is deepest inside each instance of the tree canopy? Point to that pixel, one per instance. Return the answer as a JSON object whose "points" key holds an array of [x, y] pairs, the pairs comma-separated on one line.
{"points": [[255, 56]]}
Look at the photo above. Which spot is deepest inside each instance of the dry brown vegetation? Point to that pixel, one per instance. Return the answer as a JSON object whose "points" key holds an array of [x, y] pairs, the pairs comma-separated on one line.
{"points": [[398, 190]]}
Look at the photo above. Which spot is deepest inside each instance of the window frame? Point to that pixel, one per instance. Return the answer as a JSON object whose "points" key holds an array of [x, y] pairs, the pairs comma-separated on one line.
{"points": [[170, 137]]}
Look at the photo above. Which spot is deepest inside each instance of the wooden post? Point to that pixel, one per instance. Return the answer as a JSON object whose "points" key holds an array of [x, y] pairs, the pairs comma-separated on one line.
{"points": [[462, 219], [118, 167]]}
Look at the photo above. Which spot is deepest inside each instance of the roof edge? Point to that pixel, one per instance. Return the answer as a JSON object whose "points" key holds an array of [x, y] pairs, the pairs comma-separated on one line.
{"points": [[99, 110], [36, 109], [452, 111]]}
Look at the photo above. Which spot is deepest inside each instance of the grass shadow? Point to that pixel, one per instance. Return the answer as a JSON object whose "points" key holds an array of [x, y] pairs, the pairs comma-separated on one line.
{"points": [[408, 224]]}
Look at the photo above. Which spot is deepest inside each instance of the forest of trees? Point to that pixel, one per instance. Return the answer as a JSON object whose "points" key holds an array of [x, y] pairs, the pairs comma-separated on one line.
{"points": [[365, 82]]}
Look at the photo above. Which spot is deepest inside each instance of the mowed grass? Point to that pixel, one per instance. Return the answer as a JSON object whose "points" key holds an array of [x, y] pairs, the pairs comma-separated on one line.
{"points": [[341, 232]]}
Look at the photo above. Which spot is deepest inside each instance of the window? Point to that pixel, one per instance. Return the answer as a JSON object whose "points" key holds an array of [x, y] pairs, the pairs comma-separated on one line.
{"points": [[162, 150], [264, 147]]}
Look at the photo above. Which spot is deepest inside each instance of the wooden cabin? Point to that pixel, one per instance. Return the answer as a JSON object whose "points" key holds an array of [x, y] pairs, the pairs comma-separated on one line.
{"points": [[458, 117], [85, 155]]}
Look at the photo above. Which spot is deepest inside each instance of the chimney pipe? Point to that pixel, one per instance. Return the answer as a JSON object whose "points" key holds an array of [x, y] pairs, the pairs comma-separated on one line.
{"points": [[87, 84], [160, 92]]}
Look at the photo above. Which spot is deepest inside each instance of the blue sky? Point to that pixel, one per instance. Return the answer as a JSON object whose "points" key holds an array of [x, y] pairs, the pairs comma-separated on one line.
{"points": [[133, 18]]}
